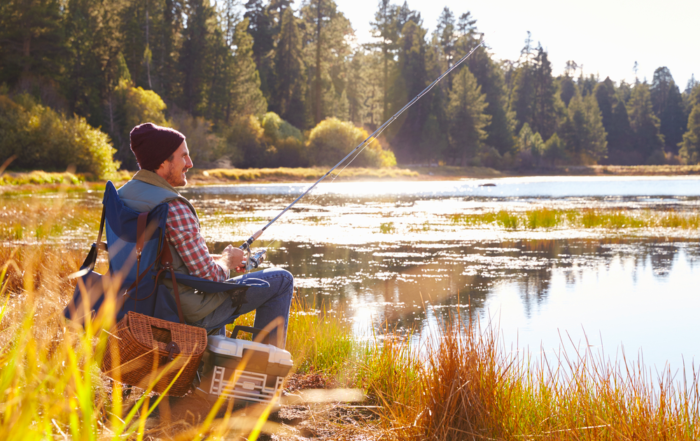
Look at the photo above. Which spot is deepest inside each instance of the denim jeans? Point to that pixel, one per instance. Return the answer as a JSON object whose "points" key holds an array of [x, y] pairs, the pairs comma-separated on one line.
{"points": [[268, 303]]}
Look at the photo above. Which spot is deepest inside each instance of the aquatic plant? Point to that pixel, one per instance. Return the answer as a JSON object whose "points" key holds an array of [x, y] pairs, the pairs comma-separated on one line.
{"points": [[387, 228], [547, 218]]}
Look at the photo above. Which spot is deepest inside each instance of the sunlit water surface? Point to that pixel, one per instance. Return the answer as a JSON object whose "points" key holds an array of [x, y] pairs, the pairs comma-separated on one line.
{"points": [[386, 253]]}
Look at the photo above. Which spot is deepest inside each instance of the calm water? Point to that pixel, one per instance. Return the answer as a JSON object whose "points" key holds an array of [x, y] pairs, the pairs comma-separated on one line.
{"points": [[387, 253]]}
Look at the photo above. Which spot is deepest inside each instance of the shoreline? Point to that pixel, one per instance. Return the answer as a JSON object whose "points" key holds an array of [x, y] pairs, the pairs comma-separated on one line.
{"points": [[42, 182]]}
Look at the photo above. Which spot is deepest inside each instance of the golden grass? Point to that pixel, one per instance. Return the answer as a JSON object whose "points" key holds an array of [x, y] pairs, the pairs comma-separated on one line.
{"points": [[612, 219], [295, 174], [465, 386]]}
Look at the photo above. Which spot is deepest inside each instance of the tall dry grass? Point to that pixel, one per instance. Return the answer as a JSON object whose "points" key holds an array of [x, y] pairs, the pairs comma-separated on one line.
{"points": [[51, 386], [465, 386]]}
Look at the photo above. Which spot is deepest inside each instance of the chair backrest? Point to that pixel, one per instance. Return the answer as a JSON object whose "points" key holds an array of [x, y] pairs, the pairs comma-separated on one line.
{"points": [[121, 228]]}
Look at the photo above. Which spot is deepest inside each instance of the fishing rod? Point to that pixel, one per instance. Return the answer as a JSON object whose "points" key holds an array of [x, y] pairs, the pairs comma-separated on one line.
{"points": [[254, 260]]}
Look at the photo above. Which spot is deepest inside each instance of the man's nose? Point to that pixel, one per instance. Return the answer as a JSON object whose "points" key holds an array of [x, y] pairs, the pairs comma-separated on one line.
{"points": [[189, 162]]}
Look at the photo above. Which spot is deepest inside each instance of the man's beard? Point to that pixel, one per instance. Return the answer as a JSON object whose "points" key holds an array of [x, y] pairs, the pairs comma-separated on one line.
{"points": [[177, 177]]}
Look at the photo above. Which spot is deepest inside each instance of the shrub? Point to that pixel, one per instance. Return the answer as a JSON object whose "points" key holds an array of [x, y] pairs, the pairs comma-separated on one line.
{"points": [[244, 143], [40, 138], [269, 141], [332, 139], [133, 106], [287, 141]]}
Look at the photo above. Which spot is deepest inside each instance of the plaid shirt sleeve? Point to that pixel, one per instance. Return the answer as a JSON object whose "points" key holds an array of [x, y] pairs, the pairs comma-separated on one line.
{"points": [[182, 231]]}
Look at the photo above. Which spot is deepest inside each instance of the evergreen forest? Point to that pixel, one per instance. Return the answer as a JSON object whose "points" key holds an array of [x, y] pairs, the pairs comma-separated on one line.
{"points": [[268, 83]]}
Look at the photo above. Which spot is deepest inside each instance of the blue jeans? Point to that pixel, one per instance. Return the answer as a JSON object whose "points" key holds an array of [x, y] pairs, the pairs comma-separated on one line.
{"points": [[268, 303]]}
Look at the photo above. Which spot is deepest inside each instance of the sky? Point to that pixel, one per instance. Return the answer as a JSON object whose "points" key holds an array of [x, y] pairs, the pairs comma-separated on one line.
{"points": [[605, 36]]}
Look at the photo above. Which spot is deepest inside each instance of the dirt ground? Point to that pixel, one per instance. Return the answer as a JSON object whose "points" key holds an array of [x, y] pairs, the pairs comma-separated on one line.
{"points": [[297, 418]]}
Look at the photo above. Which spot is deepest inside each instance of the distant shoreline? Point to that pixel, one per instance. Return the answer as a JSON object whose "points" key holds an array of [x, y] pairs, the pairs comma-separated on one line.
{"points": [[31, 181]]}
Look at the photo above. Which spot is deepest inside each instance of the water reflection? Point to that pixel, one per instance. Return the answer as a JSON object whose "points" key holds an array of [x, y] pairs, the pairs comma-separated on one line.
{"points": [[404, 284]]}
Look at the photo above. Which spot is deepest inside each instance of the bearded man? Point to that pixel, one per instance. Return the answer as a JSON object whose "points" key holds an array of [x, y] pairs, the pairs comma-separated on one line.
{"points": [[164, 160]]}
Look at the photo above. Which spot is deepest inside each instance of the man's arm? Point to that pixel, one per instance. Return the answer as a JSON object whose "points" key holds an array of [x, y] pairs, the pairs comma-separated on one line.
{"points": [[183, 233]]}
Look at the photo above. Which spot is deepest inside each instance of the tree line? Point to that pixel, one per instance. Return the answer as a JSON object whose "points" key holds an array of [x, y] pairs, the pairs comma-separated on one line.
{"points": [[262, 84]]}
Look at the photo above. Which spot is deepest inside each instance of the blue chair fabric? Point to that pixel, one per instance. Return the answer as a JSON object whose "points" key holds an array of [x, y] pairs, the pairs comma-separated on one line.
{"points": [[139, 259]]}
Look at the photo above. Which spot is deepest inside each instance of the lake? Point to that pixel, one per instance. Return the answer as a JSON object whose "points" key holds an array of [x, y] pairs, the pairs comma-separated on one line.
{"points": [[387, 254]]}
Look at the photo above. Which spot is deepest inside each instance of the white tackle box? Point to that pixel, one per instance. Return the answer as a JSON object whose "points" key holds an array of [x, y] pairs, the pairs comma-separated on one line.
{"points": [[257, 382]]}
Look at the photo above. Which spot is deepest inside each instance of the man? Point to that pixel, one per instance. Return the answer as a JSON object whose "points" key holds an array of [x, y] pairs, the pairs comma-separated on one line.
{"points": [[164, 160]]}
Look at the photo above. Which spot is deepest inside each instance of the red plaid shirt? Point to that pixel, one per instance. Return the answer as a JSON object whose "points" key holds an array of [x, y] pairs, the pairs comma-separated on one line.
{"points": [[183, 233]]}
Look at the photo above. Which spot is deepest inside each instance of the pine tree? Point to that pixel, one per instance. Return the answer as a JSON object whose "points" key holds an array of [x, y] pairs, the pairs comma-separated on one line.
{"points": [[546, 107], [92, 36], [358, 89], [523, 95], [446, 33], [290, 81], [384, 28], [31, 39], [647, 142], [616, 123], [522, 86], [264, 32], [690, 146], [667, 103], [434, 139], [410, 78], [567, 89], [583, 132], [168, 32], [466, 117], [489, 76], [244, 95], [195, 55], [326, 51]]}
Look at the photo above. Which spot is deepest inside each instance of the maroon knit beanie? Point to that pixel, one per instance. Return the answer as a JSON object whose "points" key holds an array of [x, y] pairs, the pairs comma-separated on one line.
{"points": [[153, 144]]}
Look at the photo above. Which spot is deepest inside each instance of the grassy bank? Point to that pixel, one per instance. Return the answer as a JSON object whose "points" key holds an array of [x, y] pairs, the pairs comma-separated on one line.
{"points": [[546, 218], [461, 386]]}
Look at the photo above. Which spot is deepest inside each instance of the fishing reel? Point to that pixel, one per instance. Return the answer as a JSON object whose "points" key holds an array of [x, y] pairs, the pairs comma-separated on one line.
{"points": [[254, 259]]}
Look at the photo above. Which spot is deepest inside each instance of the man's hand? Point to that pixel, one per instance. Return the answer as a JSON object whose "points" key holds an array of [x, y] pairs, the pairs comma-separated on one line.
{"points": [[232, 258]]}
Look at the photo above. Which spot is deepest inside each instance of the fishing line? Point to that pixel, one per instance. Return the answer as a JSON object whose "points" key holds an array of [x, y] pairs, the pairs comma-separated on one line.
{"points": [[246, 245]]}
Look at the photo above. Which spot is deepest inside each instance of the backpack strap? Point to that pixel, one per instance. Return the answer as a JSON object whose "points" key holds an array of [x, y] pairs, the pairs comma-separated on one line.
{"points": [[166, 261]]}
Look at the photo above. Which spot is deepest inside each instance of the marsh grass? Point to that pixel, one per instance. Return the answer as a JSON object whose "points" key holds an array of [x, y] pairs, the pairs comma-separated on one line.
{"points": [[297, 174], [547, 218], [464, 385], [387, 228], [23, 218]]}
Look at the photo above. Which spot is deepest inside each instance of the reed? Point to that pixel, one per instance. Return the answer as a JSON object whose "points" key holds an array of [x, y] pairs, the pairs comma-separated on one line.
{"points": [[607, 219], [469, 387]]}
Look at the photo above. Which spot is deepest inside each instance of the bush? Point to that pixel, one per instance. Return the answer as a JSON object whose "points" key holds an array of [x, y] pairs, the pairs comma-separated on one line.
{"points": [[268, 142], [332, 139], [286, 140], [133, 106], [39, 138], [244, 143]]}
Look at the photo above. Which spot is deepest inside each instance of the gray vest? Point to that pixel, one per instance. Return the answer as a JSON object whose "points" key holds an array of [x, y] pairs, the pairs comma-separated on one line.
{"points": [[141, 196]]}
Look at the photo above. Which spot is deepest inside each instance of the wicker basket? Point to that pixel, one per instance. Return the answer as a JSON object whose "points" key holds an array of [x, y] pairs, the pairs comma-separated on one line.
{"points": [[141, 348]]}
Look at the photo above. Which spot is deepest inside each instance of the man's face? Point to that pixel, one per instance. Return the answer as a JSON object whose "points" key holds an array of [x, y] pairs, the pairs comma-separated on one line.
{"points": [[174, 171]]}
